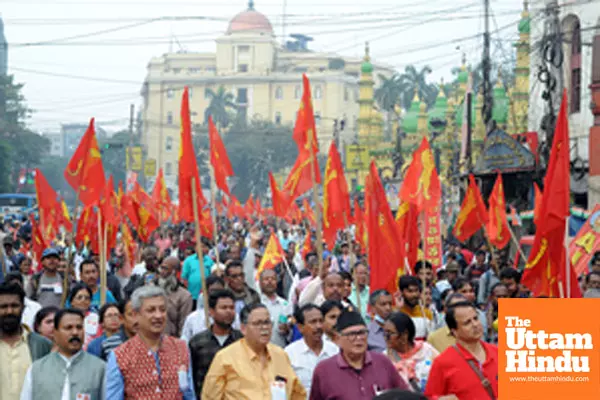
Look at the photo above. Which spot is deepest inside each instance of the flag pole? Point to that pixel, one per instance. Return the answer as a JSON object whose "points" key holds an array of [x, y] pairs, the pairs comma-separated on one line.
{"points": [[516, 242], [102, 266], [567, 262], [199, 250], [315, 196], [213, 212], [70, 253], [354, 277]]}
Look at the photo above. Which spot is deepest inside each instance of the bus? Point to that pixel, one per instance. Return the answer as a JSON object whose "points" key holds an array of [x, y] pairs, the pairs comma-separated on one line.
{"points": [[12, 204]]}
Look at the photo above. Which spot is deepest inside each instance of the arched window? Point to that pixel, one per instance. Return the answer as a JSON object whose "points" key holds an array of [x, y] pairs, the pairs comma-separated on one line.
{"points": [[575, 65]]}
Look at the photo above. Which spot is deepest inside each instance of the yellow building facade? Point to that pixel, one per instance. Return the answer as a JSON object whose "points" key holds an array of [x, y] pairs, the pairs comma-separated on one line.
{"points": [[264, 77]]}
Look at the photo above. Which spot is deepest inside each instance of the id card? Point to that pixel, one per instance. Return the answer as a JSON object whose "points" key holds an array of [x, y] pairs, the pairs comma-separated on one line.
{"points": [[183, 379], [58, 289], [278, 391]]}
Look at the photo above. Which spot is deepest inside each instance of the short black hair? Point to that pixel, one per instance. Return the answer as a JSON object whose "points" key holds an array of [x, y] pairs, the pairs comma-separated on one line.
{"points": [[480, 252], [247, 310], [422, 264], [330, 305], [212, 279], [495, 285], [233, 264], [407, 281], [454, 296], [77, 288], [404, 323], [451, 313], [376, 295], [358, 264], [345, 275], [299, 313], [588, 276], [123, 305], [459, 283], [41, 315], [12, 289], [510, 273], [214, 297], [66, 311], [104, 309], [88, 261], [15, 277]]}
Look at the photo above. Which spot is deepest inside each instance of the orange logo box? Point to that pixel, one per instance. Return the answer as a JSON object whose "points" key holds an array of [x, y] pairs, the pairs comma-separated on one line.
{"points": [[549, 349]]}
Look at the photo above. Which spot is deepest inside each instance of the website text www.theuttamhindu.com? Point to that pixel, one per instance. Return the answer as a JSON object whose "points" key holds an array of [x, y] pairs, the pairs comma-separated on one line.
{"points": [[551, 379]]}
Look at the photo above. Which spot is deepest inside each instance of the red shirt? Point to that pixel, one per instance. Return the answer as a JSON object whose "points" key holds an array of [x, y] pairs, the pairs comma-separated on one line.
{"points": [[452, 374]]}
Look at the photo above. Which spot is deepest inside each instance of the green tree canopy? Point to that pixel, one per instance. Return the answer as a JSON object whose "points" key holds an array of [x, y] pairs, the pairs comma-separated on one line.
{"points": [[222, 103]]}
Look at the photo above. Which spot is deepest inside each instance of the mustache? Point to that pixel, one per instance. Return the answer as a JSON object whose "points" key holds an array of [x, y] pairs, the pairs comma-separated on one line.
{"points": [[75, 339]]}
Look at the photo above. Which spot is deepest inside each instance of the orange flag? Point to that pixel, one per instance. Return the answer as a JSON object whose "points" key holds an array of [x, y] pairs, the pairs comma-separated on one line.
{"points": [[62, 213], [108, 204], [300, 179], [359, 221], [84, 171], [218, 158], [47, 205], [188, 166], [142, 220], [546, 270], [37, 239], [279, 199], [160, 197], [273, 255], [497, 227], [473, 214], [336, 201], [308, 212], [307, 247], [386, 255], [87, 229], [249, 206], [407, 217], [421, 184], [537, 203]]}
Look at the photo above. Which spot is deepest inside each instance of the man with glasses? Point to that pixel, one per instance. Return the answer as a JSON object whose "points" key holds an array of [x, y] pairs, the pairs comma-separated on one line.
{"points": [[354, 373], [234, 280], [252, 367]]}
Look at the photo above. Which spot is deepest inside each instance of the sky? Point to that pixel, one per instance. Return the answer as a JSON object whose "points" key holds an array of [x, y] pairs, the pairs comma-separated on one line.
{"points": [[82, 59]]}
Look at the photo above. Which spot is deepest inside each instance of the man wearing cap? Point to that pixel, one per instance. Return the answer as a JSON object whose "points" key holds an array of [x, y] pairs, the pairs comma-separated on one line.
{"points": [[47, 286], [354, 373]]}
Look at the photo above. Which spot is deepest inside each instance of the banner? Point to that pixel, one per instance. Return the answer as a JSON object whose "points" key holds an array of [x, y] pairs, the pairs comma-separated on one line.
{"points": [[433, 237], [586, 243]]}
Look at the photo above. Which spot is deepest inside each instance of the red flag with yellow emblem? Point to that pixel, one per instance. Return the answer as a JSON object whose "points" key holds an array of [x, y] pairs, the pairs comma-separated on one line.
{"points": [[160, 197], [47, 206], [38, 243], [188, 166], [385, 252], [142, 219], [472, 215], [218, 158], [407, 217], [497, 226], [421, 184], [279, 199], [359, 221], [84, 171], [273, 255], [336, 201]]}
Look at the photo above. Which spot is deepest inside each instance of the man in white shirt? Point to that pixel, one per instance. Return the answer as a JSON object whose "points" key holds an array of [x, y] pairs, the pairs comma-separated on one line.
{"points": [[69, 372], [307, 352], [31, 307], [279, 308]]}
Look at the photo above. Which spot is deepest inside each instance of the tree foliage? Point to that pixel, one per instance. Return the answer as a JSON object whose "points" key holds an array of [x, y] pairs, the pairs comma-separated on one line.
{"points": [[221, 107]]}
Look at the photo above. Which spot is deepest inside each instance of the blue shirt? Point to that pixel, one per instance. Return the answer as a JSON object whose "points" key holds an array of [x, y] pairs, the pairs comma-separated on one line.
{"points": [[284, 242], [115, 385], [191, 273], [110, 299]]}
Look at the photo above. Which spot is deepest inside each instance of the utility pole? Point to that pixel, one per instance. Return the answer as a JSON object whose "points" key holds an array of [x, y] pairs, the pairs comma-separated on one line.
{"points": [[488, 100], [131, 142]]}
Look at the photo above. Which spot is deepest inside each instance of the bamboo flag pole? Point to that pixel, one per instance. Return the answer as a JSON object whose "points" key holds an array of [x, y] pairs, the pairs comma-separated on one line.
{"points": [[315, 196], [102, 266], [213, 212], [516, 242], [199, 250]]}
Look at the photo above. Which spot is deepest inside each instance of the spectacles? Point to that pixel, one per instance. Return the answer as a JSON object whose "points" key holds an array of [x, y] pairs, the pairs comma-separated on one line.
{"points": [[265, 324], [235, 276], [389, 335], [82, 297], [355, 334]]}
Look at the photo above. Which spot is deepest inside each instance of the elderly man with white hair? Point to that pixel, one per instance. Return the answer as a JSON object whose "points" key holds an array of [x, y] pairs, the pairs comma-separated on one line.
{"points": [[151, 364]]}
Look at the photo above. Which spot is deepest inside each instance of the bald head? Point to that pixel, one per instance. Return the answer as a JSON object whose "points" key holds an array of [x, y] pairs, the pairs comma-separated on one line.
{"points": [[333, 285], [169, 266]]}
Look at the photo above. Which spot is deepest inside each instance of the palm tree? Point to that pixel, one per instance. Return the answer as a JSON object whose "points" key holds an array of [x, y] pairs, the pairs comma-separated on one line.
{"points": [[387, 96], [221, 102], [416, 81]]}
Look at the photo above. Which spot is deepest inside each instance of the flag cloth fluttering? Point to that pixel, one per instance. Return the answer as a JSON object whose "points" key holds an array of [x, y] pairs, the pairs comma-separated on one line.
{"points": [[48, 206], [497, 226], [473, 215], [279, 199], [160, 197], [273, 255], [336, 201], [546, 270], [84, 171], [218, 158], [421, 184]]}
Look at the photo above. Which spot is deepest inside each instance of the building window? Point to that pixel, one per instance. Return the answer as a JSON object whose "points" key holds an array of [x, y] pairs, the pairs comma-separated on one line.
{"points": [[278, 118], [169, 143], [211, 68], [318, 119], [318, 92], [244, 49], [297, 92], [193, 70], [169, 118], [243, 68], [575, 102], [346, 94], [279, 93], [176, 70], [242, 96], [168, 168], [169, 93]]}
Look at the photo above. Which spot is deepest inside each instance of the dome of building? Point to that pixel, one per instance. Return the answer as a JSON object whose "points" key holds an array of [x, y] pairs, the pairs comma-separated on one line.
{"points": [[366, 67], [411, 118], [250, 20]]}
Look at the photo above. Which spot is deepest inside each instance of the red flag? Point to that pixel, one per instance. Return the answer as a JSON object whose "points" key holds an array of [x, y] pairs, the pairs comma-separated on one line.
{"points": [[273, 255], [85, 172], [308, 212], [538, 203], [385, 252], [279, 199], [63, 216], [307, 247], [218, 158], [142, 220], [421, 184], [87, 229], [546, 270], [109, 205], [305, 132], [160, 196], [407, 217], [47, 205], [497, 227], [473, 214], [188, 166], [359, 221], [336, 201], [37, 239]]}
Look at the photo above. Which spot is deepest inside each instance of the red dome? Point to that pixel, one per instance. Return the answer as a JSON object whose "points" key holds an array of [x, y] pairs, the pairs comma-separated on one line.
{"points": [[250, 21]]}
